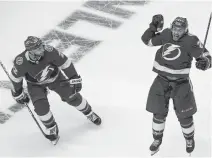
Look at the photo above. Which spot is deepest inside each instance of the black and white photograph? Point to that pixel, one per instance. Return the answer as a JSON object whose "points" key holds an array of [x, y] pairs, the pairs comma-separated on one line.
{"points": [[106, 78]]}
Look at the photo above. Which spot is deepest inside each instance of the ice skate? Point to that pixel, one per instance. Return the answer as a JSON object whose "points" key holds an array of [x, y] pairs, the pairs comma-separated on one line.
{"points": [[190, 145], [154, 148], [53, 134], [93, 117], [55, 141]]}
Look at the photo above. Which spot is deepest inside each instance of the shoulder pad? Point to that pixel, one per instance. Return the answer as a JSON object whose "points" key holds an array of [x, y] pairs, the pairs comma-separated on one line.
{"points": [[48, 48]]}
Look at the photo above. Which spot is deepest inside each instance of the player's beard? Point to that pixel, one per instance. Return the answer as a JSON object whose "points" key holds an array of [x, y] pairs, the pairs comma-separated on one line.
{"points": [[36, 56], [176, 37]]}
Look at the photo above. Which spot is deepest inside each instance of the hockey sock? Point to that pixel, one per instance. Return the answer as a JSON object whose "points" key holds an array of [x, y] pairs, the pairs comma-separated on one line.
{"points": [[48, 120], [187, 126], [80, 104], [158, 126], [84, 107]]}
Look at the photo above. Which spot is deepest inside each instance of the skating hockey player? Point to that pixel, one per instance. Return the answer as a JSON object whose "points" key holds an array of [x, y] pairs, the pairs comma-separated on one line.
{"points": [[44, 67], [172, 63]]}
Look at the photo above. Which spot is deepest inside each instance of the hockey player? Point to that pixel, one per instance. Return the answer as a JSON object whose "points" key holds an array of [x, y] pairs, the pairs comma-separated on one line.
{"points": [[44, 67], [172, 63]]}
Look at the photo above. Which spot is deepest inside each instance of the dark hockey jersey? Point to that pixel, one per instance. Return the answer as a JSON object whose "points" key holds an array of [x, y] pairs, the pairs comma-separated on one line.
{"points": [[46, 71], [174, 58]]}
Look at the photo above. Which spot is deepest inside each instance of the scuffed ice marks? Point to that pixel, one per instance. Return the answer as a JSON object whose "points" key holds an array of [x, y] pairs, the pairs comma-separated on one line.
{"points": [[91, 18], [65, 40], [112, 7]]}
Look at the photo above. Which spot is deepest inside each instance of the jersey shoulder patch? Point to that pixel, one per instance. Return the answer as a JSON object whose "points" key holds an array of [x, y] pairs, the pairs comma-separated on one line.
{"points": [[19, 60], [199, 44], [196, 42], [48, 48]]}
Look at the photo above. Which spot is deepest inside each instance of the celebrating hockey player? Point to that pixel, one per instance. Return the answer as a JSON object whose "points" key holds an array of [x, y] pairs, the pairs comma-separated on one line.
{"points": [[44, 67], [172, 63]]}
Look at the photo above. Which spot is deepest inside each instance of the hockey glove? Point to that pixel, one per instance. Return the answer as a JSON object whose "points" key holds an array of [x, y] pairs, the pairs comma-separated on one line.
{"points": [[20, 96], [203, 63], [75, 82], [157, 23]]}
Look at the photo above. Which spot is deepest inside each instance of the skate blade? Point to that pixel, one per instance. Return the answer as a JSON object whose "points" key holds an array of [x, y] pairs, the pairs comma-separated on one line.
{"points": [[154, 152], [54, 142]]}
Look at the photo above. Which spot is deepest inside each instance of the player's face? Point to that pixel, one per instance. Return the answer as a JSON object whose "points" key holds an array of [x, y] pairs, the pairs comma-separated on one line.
{"points": [[177, 33], [38, 51]]}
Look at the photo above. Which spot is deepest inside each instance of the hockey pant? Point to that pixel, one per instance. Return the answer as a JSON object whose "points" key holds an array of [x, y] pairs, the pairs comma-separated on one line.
{"points": [[67, 93], [181, 92]]}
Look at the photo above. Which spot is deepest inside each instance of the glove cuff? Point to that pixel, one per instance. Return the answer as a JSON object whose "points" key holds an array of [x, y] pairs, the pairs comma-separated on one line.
{"points": [[76, 81], [18, 92], [20, 96], [208, 63]]}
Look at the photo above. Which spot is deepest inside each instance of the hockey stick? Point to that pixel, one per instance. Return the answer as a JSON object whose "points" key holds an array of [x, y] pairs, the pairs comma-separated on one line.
{"points": [[5, 70], [206, 35]]}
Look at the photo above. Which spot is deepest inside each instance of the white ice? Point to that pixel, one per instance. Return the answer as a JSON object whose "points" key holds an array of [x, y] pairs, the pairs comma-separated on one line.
{"points": [[116, 79]]}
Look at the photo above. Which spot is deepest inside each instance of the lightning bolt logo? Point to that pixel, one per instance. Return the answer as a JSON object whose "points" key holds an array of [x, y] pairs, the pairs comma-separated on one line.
{"points": [[169, 50], [45, 72]]}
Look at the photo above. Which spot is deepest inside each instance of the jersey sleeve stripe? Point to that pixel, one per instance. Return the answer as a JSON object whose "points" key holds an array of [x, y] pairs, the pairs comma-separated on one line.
{"points": [[66, 64], [150, 43], [205, 54], [14, 79]]}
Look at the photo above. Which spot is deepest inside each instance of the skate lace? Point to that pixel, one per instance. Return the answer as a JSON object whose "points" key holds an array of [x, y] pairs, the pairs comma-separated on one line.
{"points": [[156, 142], [92, 117], [189, 143]]}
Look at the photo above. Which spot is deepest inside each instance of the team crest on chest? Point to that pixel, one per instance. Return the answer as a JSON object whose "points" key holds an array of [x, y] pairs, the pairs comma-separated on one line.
{"points": [[171, 51], [45, 73]]}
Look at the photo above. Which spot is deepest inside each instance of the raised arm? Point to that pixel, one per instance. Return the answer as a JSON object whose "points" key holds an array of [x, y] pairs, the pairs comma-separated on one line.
{"points": [[151, 36]]}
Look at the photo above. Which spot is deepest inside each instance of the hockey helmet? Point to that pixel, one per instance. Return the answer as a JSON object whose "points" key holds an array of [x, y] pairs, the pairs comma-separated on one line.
{"points": [[179, 27], [34, 46], [32, 43]]}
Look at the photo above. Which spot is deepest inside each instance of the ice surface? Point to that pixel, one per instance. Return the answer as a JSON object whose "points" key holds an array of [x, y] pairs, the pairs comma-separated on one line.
{"points": [[116, 79]]}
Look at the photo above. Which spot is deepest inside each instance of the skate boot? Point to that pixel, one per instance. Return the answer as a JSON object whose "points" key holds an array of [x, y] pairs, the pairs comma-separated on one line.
{"points": [[190, 145], [154, 148], [52, 134], [93, 117]]}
